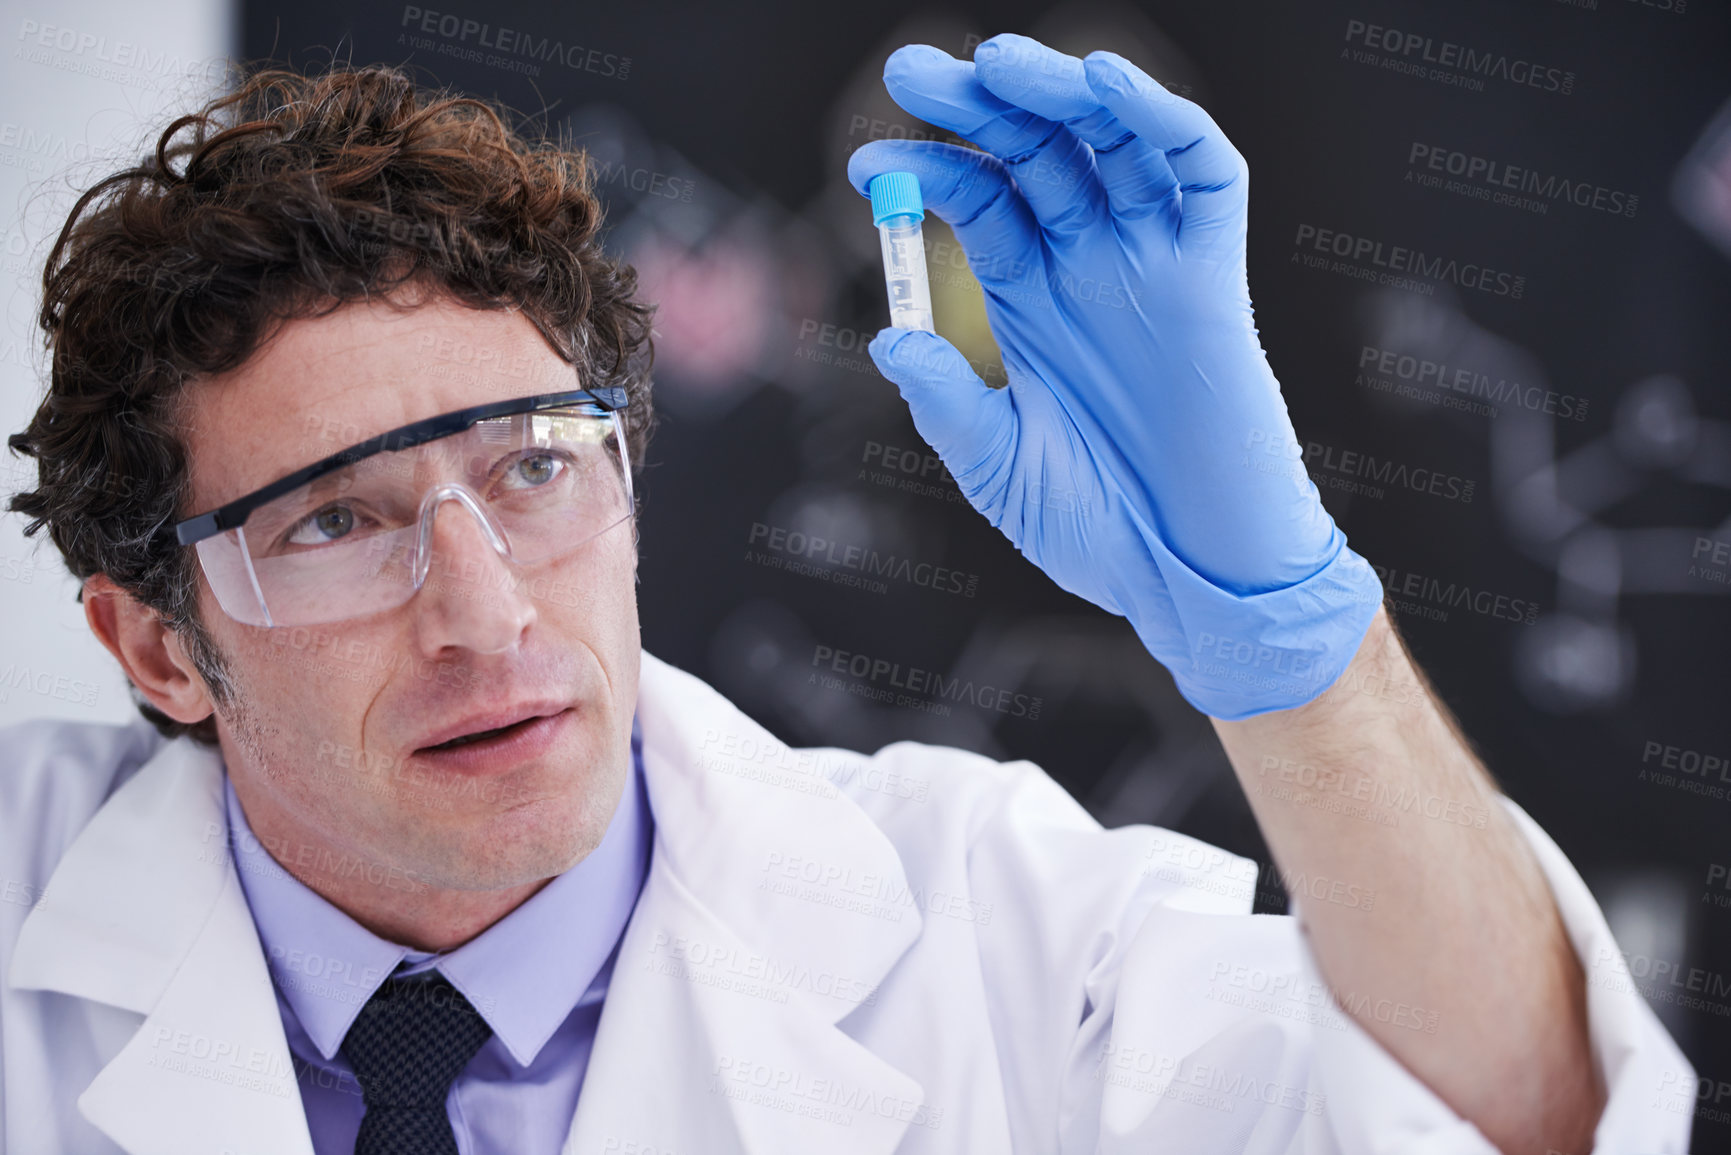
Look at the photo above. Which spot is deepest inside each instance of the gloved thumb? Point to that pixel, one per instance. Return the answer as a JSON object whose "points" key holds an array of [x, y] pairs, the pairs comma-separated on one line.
{"points": [[959, 415]]}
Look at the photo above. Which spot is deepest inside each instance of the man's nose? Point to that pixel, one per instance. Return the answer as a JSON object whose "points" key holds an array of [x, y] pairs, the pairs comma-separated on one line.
{"points": [[471, 598]]}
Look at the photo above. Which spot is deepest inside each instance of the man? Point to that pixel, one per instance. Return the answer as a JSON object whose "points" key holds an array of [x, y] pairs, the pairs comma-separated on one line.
{"points": [[429, 856]]}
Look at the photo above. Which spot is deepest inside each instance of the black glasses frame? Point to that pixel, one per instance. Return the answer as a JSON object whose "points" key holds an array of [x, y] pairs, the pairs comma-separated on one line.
{"points": [[193, 530]]}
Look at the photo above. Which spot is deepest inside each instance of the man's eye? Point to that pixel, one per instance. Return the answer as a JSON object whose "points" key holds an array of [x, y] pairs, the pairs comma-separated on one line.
{"points": [[534, 471], [321, 528]]}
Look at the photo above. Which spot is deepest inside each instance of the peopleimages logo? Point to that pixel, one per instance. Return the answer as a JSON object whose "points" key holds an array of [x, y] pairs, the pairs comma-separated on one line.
{"points": [[1373, 260], [1343, 469], [1429, 597], [47, 684], [1510, 184], [22, 146], [1427, 58], [1423, 377], [1325, 460], [512, 49], [122, 61], [922, 685], [821, 557]]}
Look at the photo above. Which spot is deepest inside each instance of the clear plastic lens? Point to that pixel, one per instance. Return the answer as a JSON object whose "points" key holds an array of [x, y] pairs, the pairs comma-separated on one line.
{"points": [[359, 540], [904, 254]]}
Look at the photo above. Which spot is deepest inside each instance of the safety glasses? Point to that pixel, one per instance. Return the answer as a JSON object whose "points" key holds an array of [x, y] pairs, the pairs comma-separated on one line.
{"points": [[351, 535]]}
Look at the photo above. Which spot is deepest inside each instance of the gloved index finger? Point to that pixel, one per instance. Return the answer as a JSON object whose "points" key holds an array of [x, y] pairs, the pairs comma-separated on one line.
{"points": [[1134, 174], [1213, 180], [939, 89], [1052, 84]]}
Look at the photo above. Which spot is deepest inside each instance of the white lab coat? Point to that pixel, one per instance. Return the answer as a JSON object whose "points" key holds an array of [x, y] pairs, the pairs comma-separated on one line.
{"points": [[920, 950]]}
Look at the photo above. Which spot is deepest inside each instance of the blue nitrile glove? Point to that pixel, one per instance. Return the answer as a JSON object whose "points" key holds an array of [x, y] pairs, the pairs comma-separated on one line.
{"points": [[1141, 454]]}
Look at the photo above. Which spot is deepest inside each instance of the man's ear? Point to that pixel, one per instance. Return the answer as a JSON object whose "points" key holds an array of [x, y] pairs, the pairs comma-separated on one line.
{"points": [[149, 652]]}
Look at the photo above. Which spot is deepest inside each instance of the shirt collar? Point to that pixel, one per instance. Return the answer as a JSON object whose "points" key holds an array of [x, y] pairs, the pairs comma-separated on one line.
{"points": [[524, 974]]}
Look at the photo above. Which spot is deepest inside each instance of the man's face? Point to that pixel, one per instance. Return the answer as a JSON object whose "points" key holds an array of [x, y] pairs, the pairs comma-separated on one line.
{"points": [[330, 735]]}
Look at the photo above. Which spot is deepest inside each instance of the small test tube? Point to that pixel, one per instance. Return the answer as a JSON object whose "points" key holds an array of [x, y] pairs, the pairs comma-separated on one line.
{"points": [[897, 211]]}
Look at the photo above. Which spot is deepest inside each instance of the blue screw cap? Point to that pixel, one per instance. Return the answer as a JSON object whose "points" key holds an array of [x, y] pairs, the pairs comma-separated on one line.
{"points": [[895, 194]]}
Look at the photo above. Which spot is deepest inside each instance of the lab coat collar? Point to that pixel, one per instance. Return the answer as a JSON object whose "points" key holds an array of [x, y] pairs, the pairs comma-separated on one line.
{"points": [[735, 972], [723, 1021], [145, 912]]}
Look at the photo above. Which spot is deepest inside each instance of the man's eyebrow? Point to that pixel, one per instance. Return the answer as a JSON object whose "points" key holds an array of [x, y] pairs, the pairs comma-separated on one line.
{"points": [[190, 531]]}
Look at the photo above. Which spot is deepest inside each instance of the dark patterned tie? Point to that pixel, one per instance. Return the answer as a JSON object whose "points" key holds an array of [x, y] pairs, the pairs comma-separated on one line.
{"points": [[406, 1047]]}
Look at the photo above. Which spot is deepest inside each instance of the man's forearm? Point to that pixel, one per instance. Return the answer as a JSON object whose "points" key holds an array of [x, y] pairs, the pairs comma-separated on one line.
{"points": [[1459, 966]]}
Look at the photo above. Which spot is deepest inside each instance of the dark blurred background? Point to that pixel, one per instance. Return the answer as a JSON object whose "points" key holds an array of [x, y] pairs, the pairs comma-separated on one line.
{"points": [[1583, 485]]}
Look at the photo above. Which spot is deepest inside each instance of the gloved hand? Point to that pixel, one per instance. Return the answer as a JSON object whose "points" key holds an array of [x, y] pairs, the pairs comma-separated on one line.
{"points": [[1141, 454]]}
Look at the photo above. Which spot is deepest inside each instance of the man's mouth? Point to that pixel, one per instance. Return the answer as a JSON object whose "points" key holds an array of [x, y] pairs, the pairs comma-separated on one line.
{"points": [[484, 735], [524, 729]]}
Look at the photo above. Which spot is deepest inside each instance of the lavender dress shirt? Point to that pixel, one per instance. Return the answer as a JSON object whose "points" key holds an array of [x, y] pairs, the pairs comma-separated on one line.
{"points": [[538, 976]]}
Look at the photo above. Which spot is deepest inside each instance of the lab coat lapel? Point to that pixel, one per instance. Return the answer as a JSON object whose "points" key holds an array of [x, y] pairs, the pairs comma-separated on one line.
{"points": [[720, 1030], [145, 912]]}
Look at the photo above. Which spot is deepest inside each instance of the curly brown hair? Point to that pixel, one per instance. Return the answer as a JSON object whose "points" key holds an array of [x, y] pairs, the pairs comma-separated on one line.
{"points": [[287, 198]]}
